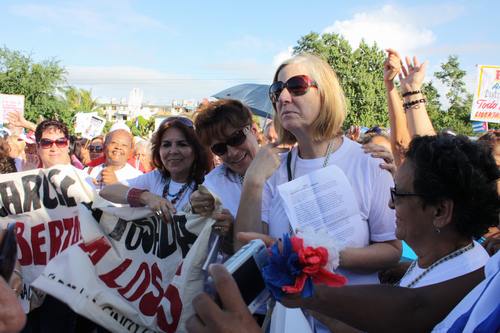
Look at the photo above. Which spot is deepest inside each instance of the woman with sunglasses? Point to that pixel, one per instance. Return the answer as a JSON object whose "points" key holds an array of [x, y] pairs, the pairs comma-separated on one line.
{"points": [[96, 148], [310, 109], [52, 140], [181, 164]]}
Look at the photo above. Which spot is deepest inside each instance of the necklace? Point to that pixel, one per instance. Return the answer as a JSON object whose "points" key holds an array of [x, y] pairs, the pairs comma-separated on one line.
{"points": [[176, 196], [291, 175], [241, 178], [440, 261]]}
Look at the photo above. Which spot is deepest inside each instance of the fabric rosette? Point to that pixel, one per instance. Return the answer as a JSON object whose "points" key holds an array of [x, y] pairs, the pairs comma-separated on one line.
{"points": [[305, 259]]}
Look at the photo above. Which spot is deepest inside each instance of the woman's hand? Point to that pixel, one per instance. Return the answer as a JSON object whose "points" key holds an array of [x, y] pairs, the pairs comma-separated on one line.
{"points": [[413, 75], [382, 152], [17, 120], [264, 163], [392, 67], [224, 222], [202, 202], [159, 205]]}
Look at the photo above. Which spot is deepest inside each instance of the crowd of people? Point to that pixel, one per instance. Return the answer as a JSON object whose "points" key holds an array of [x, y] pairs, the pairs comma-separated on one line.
{"points": [[435, 191]]}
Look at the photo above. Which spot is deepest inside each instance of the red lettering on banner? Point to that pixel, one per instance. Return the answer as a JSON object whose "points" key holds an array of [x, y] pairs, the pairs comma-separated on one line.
{"points": [[33, 251], [149, 304], [96, 249], [39, 257], [110, 278], [143, 286], [24, 246], [55, 230]]}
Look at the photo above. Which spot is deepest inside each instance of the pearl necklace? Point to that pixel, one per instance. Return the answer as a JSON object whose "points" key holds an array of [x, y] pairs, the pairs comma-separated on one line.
{"points": [[440, 261]]}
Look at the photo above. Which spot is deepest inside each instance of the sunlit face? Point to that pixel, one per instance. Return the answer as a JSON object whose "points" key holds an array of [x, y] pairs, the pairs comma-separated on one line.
{"points": [[53, 155], [118, 147], [143, 155], [238, 158], [297, 113], [413, 221], [176, 154]]}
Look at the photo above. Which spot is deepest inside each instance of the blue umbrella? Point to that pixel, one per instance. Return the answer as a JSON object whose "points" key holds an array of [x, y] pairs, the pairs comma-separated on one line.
{"points": [[255, 96]]}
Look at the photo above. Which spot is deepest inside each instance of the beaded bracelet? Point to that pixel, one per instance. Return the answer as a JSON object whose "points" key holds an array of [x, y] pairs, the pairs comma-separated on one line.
{"points": [[408, 105], [408, 93], [134, 197]]}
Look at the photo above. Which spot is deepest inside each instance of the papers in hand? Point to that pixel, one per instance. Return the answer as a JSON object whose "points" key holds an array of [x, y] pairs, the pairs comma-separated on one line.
{"points": [[324, 200]]}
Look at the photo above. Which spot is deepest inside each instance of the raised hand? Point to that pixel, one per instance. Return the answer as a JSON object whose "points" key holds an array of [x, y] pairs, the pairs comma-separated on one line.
{"points": [[413, 75], [265, 163], [108, 176], [392, 65]]}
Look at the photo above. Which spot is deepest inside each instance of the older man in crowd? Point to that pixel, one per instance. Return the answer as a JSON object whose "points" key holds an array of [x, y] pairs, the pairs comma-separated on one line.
{"points": [[118, 147]]}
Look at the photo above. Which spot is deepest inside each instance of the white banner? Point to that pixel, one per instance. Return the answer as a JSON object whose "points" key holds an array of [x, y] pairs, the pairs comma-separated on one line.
{"points": [[486, 103], [128, 274], [44, 205]]}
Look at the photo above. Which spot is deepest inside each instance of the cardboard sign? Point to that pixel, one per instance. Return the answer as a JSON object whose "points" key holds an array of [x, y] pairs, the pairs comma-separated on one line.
{"points": [[486, 103], [10, 103]]}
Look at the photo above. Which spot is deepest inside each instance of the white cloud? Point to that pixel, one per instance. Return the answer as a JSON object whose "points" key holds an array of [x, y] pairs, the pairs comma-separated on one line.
{"points": [[282, 56], [388, 27]]}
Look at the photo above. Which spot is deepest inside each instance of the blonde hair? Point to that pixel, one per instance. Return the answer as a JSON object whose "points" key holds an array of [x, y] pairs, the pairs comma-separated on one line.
{"points": [[333, 104]]}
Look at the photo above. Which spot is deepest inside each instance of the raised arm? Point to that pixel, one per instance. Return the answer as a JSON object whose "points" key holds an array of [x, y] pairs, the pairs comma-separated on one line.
{"points": [[400, 136], [411, 80]]}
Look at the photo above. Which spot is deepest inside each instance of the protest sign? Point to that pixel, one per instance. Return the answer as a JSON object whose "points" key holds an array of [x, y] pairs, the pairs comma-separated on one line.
{"points": [[132, 272], [82, 121], [93, 127], [43, 203], [10, 103], [486, 102]]}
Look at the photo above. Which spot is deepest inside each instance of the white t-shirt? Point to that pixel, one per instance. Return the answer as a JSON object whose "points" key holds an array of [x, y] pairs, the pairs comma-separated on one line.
{"points": [[483, 300], [371, 186], [462, 264], [226, 185], [155, 183], [127, 172]]}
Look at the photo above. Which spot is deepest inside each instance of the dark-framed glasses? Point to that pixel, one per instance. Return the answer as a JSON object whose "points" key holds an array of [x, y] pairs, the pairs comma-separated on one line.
{"points": [[47, 143], [395, 194], [236, 139], [183, 120], [95, 149], [297, 86]]}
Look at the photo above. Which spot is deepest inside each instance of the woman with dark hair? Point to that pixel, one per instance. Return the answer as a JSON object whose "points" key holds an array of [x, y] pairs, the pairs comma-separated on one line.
{"points": [[444, 196], [181, 164], [7, 163]]}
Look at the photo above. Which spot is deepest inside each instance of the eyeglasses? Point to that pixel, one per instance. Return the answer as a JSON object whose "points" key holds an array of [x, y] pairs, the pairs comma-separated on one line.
{"points": [[395, 194], [297, 86], [47, 143], [236, 139], [95, 149], [183, 120]]}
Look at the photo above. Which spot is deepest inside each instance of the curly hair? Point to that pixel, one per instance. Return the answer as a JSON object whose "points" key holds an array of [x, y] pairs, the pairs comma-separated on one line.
{"points": [[50, 124], [7, 163], [203, 161], [448, 167], [212, 118]]}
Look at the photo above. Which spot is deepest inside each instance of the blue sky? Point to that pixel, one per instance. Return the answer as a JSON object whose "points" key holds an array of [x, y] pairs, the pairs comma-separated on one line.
{"points": [[193, 49]]}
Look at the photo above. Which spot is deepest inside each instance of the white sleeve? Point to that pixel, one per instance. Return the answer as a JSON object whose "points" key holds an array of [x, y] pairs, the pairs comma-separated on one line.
{"points": [[381, 218], [142, 182]]}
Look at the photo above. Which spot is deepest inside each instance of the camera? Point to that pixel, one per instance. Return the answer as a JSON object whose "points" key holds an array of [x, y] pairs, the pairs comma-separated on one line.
{"points": [[245, 266]]}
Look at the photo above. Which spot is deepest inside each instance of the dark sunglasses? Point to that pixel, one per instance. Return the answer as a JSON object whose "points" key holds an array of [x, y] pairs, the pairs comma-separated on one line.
{"points": [[297, 86], [395, 194], [95, 149], [47, 143], [183, 120], [236, 139]]}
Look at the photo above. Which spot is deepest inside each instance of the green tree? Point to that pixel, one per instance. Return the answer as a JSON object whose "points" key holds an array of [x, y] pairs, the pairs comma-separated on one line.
{"points": [[457, 116], [39, 82], [359, 72], [80, 100], [141, 126]]}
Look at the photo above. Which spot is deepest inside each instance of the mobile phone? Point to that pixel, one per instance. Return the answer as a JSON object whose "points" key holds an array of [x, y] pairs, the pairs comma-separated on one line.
{"points": [[245, 266], [8, 252]]}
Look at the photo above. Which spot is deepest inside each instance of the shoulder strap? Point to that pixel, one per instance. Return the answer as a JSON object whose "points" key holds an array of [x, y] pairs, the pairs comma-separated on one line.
{"points": [[289, 165]]}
